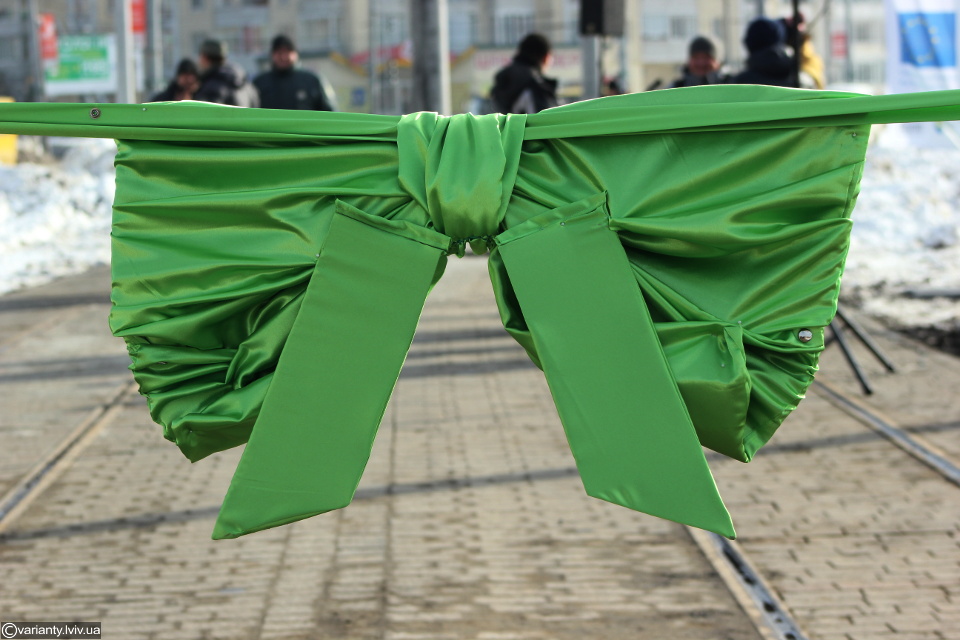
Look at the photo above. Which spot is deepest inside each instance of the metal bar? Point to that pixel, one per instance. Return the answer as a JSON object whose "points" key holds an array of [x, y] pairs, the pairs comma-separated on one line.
{"points": [[797, 43], [923, 451], [40, 476], [590, 50], [768, 614]]}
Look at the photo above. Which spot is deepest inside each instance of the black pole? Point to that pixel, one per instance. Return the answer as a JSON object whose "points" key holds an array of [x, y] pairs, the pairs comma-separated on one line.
{"points": [[797, 43]]}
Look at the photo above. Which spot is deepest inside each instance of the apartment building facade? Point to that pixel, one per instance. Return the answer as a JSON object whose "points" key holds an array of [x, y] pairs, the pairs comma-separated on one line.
{"points": [[363, 47]]}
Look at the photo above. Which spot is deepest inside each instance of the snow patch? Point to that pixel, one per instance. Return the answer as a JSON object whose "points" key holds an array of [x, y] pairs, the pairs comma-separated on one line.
{"points": [[906, 237], [56, 217]]}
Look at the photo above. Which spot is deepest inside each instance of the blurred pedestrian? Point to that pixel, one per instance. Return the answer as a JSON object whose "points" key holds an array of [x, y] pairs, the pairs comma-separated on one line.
{"points": [[521, 87], [702, 66], [184, 84], [611, 87], [768, 61], [812, 71], [221, 81], [285, 86]]}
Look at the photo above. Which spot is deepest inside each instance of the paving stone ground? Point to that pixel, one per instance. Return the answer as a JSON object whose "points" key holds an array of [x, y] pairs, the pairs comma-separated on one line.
{"points": [[921, 396], [470, 521], [58, 362], [859, 538]]}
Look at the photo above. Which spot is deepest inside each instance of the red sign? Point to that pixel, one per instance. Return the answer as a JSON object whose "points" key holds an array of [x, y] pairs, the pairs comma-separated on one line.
{"points": [[402, 52], [138, 16], [838, 45], [48, 37]]}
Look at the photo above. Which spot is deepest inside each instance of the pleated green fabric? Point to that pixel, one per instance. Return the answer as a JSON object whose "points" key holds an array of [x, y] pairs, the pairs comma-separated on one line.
{"points": [[656, 254]]}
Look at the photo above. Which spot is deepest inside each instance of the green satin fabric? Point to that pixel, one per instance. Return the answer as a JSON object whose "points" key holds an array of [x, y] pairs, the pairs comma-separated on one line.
{"points": [[728, 207]]}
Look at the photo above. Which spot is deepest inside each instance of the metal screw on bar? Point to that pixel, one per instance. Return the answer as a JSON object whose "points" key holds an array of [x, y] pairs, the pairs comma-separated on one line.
{"points": [[94, 113]]}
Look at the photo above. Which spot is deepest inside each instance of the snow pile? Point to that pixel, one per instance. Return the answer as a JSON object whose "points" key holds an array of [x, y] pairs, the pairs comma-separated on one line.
{"points": [[906, 238], [55, 218]]}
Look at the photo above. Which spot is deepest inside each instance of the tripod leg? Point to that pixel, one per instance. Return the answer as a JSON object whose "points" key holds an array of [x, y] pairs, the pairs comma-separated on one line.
{"points": [[845, 347], [866, 340]]}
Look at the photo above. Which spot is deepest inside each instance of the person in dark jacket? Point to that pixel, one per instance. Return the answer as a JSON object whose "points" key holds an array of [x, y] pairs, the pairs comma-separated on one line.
{"points": [[221, 81], [521, 87], [768, 61], [286, 87], [702, 65], [184, 84]]}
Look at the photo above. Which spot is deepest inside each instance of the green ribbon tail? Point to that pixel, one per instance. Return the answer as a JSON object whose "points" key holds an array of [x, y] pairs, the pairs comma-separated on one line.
{"points": [[625, 420], [336, 373]]}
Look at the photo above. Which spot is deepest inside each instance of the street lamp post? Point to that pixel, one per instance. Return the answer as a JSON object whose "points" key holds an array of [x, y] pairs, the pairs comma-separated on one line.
{"points": [[123, 26], [431, 56], [31, 18], [154, 45]]}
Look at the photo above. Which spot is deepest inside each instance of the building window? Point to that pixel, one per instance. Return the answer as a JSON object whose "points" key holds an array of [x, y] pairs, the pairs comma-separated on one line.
{"points": [[233, 39], [198, 39], [570, 30], [720, 27], [394, 29], [682, 27], [510, 28], [8, 49], [864, 31], [463, 31], [868, 72], [656, 27], [317, 33], [252, 40], [660, 27]]}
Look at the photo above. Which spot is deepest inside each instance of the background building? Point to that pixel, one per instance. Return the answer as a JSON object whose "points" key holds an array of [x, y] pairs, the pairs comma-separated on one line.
{"points": [[363, 47]]}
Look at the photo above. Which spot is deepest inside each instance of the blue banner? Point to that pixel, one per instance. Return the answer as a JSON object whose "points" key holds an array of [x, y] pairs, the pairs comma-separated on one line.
{"points": [[928, 39]]}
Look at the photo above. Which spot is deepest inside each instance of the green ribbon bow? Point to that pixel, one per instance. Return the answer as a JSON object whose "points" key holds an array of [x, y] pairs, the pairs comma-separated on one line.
{"points": [[657, 255]]}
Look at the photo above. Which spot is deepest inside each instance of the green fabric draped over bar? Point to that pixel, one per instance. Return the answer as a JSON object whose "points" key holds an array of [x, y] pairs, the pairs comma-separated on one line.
{"points": [[656, 255]]}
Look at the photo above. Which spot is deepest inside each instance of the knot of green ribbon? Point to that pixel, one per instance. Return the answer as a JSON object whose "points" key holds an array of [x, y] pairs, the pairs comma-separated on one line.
{"points": [[461, 169]]}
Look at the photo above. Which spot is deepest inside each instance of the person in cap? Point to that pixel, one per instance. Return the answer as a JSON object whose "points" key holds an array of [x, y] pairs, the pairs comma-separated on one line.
{"points": [[184, 84], [221, 81], [285, 86], [768, 61], [702, 66], [521, 87]]}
